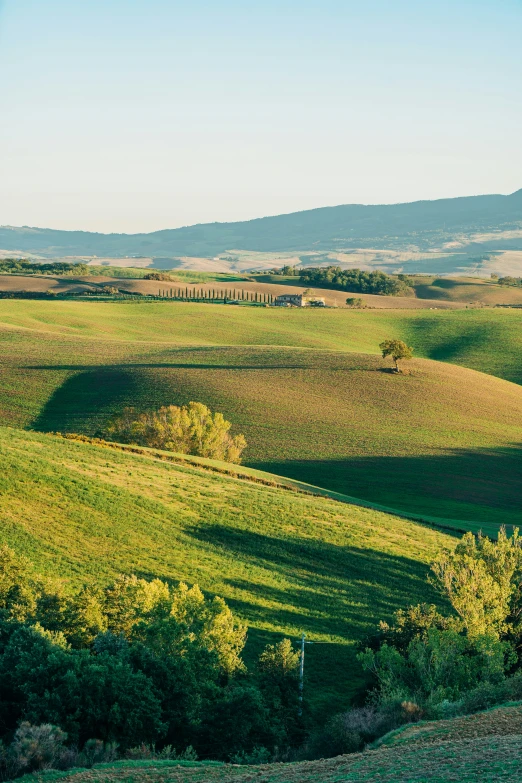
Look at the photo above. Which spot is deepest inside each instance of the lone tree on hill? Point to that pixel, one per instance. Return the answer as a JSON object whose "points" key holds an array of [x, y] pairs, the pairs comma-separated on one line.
{"points": [[397, 349]]}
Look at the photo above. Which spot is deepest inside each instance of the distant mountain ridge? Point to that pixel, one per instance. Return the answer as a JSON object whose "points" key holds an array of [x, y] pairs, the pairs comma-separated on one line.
{"points": [[424, 225]]}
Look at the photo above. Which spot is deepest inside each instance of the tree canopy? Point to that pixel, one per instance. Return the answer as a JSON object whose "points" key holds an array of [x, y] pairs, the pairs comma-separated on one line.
{"points": [[432, 658], [356, 280], [397, 349], [189, 429], [139, 661]]}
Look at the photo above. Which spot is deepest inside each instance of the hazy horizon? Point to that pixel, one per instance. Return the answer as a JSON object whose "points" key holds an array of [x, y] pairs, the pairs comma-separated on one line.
{"points": [[257, 217], [125, 117]]}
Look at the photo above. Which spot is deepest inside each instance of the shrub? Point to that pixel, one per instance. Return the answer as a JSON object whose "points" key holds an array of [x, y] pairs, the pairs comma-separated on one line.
{"points": [[159, 276], [258, 755], [168, 753], [191, 429], [349, 732], [38, 747], [95, 751]]}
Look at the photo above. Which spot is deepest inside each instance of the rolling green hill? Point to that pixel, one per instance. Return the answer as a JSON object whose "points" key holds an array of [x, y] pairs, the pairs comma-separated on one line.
{"points": [[439, 441], [286, 562], [469, 290], [483, 748], [485, 340]]}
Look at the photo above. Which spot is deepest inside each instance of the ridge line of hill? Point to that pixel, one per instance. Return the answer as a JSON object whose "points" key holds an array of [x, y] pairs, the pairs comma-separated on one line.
{"points": [[425, 223]]}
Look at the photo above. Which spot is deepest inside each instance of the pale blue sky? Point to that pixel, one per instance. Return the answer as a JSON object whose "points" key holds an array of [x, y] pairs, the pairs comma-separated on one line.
{"points": [[127, 115]]}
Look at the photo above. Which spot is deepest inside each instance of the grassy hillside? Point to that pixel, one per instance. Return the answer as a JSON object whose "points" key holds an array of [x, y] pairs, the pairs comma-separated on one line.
{"points": [[440, 441], [485, 748], [286, 562], [485, 340], [467, 290], [499, 721]]}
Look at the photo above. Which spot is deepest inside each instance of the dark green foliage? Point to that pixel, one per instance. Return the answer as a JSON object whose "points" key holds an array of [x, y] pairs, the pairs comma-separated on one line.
{"points": [[238, 721], [11, 266], [159, 276], [349, 732], [356, 280], [287, 271], [279, 675], [139, 662]]}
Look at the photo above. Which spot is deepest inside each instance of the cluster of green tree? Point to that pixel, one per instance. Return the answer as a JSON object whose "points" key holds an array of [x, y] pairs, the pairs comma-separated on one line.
{"points": [[159, 276], [28, 295], [430, 658], [138, 662], [18, 266], [510, 281], [426, 664], [189, 429], [287, 271], [357, 280], [104, 290]]}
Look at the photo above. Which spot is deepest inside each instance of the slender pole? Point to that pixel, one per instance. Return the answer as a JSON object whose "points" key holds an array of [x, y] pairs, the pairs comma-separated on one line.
{"points": [[301, 675]]}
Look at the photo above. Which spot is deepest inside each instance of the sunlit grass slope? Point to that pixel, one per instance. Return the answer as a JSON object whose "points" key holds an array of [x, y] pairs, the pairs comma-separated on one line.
{"points": [[487, 340], [485, 748], [468, 290], [286, 562], [440, 440]]}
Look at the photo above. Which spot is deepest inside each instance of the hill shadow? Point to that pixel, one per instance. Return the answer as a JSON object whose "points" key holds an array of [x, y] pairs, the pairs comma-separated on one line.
{"points": [[85, 396], [463, 348], [479, 485], [90, 394], [318, 586]]}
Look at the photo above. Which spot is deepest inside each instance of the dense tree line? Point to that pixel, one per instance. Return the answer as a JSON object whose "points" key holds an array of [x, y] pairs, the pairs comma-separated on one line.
{"points": [[18, 266], [357, 281], [287, 271], [138, 662], [189, 429]]}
